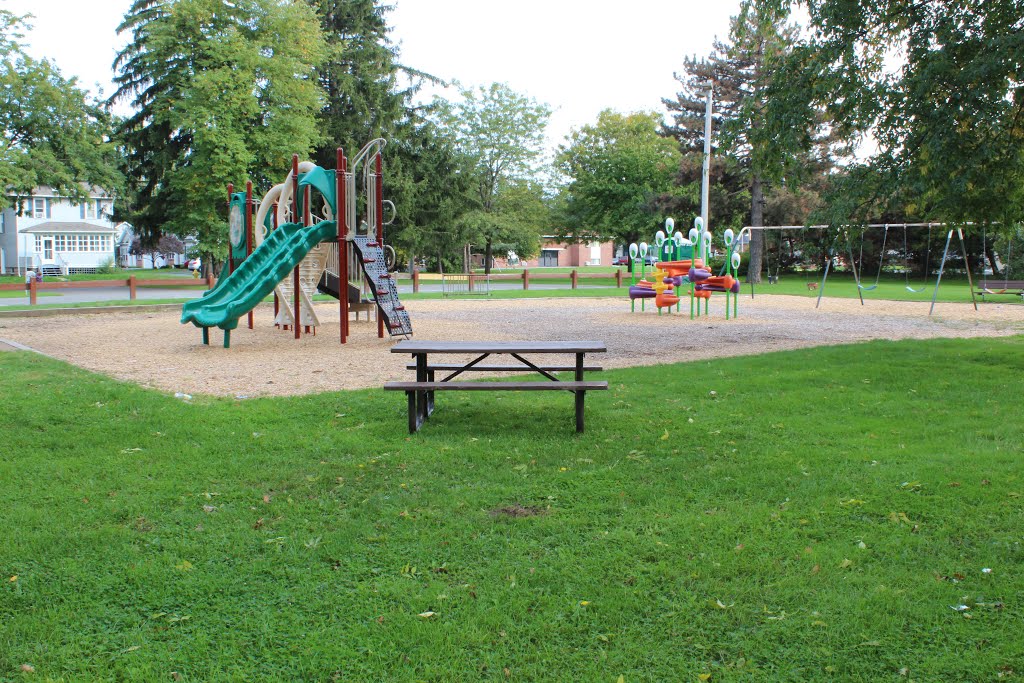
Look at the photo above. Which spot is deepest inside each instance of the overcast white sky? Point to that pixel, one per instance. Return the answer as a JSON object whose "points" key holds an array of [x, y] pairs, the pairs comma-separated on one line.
{"points": [[578, 56]]}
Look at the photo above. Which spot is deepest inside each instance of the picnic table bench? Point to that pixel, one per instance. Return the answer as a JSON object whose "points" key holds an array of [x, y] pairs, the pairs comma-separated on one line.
{"points": [[1001, 287], [420, 393]]}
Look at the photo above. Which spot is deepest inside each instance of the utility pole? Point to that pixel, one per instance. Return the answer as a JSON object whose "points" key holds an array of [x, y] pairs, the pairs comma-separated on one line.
{"points": [[706, 171]]}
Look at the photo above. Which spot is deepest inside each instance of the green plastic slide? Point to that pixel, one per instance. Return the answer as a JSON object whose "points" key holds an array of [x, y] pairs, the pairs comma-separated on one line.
{"points": [[256, 276]]}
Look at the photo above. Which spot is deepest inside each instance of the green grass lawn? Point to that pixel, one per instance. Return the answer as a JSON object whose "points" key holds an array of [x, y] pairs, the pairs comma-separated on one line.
{"points": [[842, 513]]}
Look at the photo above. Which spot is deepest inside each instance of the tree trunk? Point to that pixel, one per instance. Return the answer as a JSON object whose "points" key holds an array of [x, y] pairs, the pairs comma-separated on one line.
{"points": [[756, 236], [991, 256], [487, 258], [440, 262]]}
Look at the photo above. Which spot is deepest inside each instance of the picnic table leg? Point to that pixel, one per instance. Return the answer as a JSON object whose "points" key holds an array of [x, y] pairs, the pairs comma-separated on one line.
{"points": [[430, 394], [580, 395], [425, 399], [579, 410], [414, 415]]}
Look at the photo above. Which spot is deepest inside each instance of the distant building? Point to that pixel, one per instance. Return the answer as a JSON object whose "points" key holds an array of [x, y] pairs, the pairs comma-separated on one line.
{"points": [[555, 253], [57, 237], [126, 259]]}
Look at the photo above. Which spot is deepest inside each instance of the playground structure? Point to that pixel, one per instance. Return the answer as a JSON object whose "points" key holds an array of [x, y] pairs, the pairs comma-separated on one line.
{"points": [[307, 236], [680, 263], [843, 238]]}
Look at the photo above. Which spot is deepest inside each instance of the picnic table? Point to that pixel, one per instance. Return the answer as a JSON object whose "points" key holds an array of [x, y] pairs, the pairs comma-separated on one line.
{"points": [[420, 392]]}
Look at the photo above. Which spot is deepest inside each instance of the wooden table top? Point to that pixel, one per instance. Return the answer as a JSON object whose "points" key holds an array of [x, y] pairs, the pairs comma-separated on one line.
{"points": [[420, 346]]}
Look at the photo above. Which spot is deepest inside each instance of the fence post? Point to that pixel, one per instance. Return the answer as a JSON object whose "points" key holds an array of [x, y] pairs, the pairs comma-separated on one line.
{"points": [[526, 278], [131, 287], [618, 277], [574, 276], [415, 280], [32, 292], [469, 283], [209, 280]]}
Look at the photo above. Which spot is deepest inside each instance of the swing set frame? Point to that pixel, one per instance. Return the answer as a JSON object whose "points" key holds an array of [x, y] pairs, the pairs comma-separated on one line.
{"points": [[844, 234]]}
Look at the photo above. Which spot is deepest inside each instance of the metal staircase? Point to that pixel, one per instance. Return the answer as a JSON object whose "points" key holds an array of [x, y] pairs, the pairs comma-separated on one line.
{"points": [[382, 286]]}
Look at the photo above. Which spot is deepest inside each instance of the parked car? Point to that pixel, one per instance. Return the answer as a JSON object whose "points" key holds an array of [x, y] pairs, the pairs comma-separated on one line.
{"points": [[195, 264], [624, 260]]}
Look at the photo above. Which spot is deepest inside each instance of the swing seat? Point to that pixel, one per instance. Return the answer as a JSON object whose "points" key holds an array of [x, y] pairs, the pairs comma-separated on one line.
{"points": [[868, 288]]}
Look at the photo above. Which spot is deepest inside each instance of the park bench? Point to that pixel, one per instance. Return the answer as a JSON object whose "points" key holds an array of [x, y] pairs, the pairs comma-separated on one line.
{"points": [[420, 393], [1001, 287]]}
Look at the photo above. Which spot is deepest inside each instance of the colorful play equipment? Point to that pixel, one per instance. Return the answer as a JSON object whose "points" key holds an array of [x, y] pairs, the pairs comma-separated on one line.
{"points": [[680, 265], [308, 235]]}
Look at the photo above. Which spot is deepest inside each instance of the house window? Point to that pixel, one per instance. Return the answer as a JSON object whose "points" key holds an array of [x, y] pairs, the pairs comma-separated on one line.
{"points": [[38, 208], [39, 243], [60, 242], [105, 209], [106, 244], [90, 209]]}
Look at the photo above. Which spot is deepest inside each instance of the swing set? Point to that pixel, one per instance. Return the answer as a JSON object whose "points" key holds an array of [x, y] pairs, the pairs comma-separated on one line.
{"points": [[1007, 285], [843, 235]]}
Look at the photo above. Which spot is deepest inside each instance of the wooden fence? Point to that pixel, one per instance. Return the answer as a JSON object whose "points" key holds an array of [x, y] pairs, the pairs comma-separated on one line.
{"points": [[132, 283], [573, 276]]}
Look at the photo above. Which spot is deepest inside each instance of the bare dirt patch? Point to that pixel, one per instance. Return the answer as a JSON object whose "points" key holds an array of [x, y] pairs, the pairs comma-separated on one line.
{"points": [[155, 350], [517, 511]]}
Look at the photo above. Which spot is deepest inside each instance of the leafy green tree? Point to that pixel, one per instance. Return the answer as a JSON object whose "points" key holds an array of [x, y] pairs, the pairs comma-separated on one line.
{"points": [[53, 133], [934, 85], [741, 71], [367, 90], [431, 184], [616, 170], [502, 133], [222, 92]]}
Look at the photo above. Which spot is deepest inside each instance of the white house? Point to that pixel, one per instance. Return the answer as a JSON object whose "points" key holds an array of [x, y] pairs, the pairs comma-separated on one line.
{"points": [[126, 259], [55, 236]]}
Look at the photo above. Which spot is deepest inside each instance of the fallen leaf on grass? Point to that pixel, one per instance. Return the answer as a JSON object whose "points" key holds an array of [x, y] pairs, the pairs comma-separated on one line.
{"points": [[209, 508], [703, 677], [13, 579], [721, 605], [845, 563], [426, 615], [664, 437], [28, 668], [185, 566]]}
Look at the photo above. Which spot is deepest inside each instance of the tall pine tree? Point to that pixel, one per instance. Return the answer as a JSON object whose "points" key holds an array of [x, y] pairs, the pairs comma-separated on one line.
{"points": [[222, 92], [749, 155]]}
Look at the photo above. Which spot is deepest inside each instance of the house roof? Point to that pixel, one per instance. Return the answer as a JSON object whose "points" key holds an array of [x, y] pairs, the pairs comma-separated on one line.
{"points": [[95, 192], [69, 226]]}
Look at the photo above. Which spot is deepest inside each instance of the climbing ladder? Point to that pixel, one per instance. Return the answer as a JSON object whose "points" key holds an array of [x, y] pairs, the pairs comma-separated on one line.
{"points": [[311, 268], [382, 286]]}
